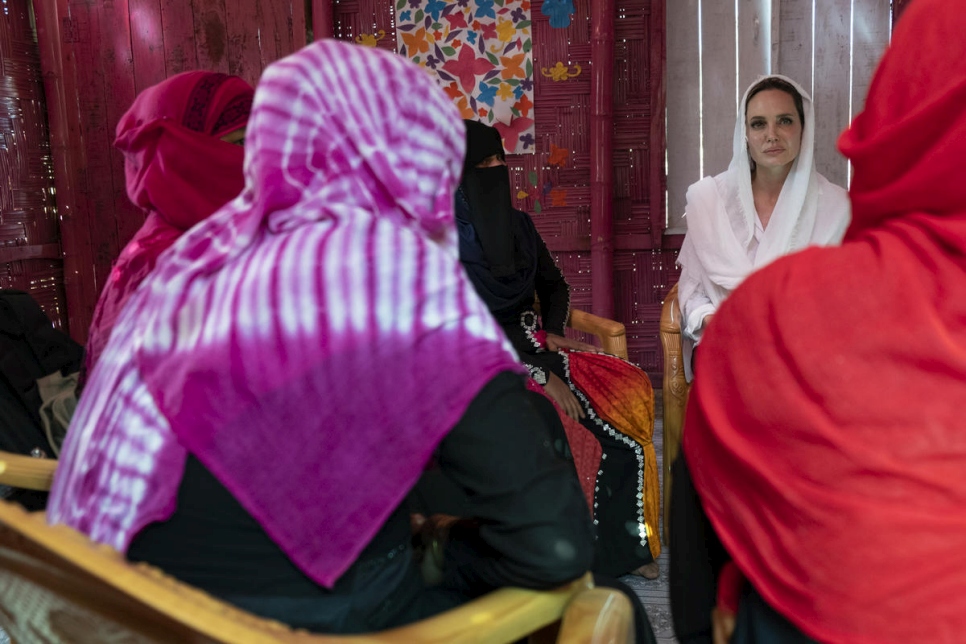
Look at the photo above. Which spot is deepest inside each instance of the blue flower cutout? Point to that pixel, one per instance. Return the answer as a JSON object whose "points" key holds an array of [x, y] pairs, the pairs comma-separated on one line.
{"points": [[518, 92], [484, 9], [405, 16], [434, 8], [487, 94], [558, 11], [471, 37]]}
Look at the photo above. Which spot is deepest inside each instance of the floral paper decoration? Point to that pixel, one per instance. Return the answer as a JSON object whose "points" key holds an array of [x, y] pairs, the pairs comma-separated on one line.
{"points": [[480, 53], [559, 12]]}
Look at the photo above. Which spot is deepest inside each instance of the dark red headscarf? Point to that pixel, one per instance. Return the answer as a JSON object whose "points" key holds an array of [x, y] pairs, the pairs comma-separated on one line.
{"points": [[826, 432], [177, 169]]}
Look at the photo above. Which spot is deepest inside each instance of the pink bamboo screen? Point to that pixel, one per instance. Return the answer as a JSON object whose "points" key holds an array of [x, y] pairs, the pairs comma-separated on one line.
{"points": [[29, 233], [643, 272]]}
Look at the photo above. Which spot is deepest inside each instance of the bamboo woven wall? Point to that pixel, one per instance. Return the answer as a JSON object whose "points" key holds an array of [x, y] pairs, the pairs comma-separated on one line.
{"points": [[28, 218], [643, 272]]}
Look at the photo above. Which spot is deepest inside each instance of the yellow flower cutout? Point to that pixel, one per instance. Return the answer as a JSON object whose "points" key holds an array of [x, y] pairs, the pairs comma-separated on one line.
{"points": [[505, 30], [370, 40], [560, 73], [523, 194], [505, 92]]}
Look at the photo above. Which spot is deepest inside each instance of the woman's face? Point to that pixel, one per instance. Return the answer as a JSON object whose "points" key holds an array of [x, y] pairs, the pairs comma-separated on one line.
{"points": [[491, 161], [773, 128], [236, 137]]}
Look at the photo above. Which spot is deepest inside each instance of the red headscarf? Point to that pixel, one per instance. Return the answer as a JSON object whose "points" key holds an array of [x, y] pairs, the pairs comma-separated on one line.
{"points": [[178, 170], [826, 431]]}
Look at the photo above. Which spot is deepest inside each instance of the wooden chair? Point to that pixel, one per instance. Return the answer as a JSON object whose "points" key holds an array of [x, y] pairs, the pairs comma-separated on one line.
{"points": [[611, 334], [26, 472], [598, 616], [676, 390], [58, 586]]}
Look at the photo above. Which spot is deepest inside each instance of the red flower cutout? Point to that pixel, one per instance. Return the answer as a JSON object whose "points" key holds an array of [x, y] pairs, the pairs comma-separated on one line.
{"points": [[511, 133], [467, 67], [457, 20]]}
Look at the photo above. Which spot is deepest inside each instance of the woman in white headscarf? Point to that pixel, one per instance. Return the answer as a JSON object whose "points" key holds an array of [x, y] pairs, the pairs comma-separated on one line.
{"points": [[768, 203]]}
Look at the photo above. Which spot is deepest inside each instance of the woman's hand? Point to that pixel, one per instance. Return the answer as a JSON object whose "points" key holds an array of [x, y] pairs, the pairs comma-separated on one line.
{"points": [[723, 625], [556, 342], [561, 394], [433, 534]]}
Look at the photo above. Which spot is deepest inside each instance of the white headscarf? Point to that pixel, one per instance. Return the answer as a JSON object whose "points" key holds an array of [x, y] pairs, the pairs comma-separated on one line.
{"points": [[721, 219]]}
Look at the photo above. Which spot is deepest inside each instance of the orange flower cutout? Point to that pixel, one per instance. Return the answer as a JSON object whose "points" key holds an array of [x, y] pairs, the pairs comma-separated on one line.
{"points": [[463, 106], [558, 197], [415, 43], [511, 66], [558, 156]]}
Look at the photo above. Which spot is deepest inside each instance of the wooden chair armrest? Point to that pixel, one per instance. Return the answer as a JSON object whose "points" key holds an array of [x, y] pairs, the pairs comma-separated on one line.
{"points": [[504, 615], [26, 472], [675, 391], [598, 616], [612, 334], [99, 580]]}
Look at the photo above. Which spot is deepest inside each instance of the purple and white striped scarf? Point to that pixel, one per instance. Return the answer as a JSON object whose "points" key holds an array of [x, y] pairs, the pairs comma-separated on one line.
{"points": [[314, 340]]}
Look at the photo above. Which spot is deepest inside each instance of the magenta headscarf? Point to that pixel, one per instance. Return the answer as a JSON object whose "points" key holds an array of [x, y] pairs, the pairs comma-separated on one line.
{"points": [[314, 340], [178, 171]]}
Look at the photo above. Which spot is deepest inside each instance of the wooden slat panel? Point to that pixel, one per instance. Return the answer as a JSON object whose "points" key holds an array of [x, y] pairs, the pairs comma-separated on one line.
{"points": [[147, 43], [683, 107], [871, 30], [180, 50], [795, 48], [211, 35], [102, 78], [754, 41], [117, 59], [831, 94], [243, 19], [56, 36], [718, 72]]}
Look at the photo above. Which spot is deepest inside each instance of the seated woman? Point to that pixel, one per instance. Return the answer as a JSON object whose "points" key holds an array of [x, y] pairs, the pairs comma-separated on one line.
{"points": [[769, 202], [508, 263], [182, 161], [824, 432], [277, 384]]}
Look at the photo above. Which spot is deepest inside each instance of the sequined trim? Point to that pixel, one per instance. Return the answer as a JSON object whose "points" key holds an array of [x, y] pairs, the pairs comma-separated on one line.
{"points": [[528, 320], [613, 433], [539, 375]]}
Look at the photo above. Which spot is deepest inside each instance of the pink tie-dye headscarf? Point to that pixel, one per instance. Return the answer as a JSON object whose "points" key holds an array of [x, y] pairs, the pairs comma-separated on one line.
{"points": [[314, 340]]}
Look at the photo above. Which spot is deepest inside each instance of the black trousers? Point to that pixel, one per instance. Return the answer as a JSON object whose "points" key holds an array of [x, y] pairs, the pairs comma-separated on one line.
{"points": [[697, 557]]}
